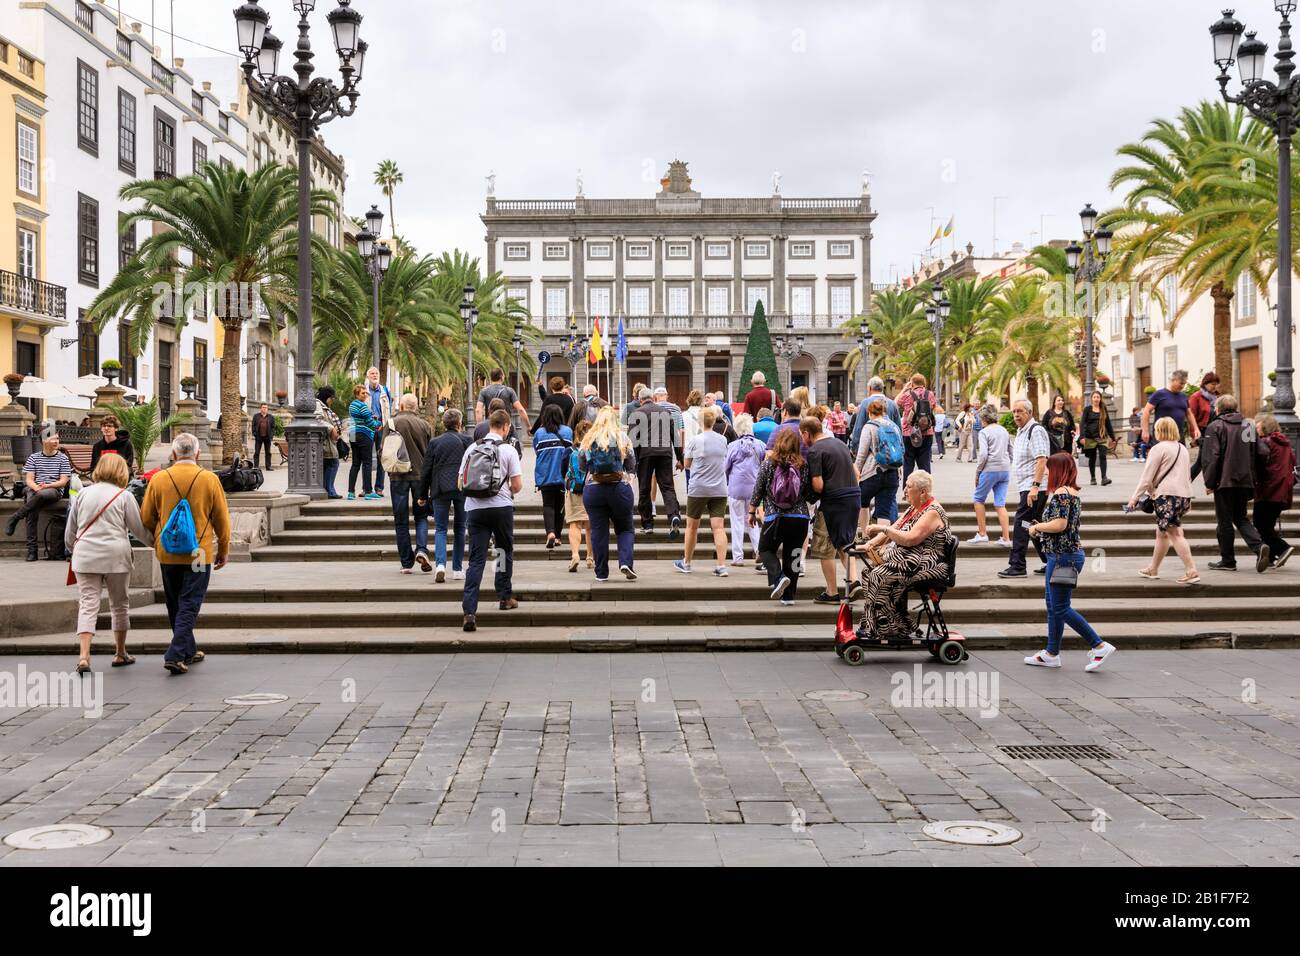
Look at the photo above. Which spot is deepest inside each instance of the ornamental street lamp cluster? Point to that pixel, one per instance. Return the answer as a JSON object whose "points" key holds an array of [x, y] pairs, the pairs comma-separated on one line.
{"points": [[790, 347], [1277, 106], [469, 315], [936, 314], [1086, 263], [377, 257], [864, 348], [308, 104], [517, 340]]}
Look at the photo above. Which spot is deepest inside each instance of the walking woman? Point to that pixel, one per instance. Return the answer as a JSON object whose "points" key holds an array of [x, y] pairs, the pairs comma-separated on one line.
{"points": [[438, 486], [1059, 530], [1274, 484], [552, 442], [1059, 422], [1097, 436], [99, 519], [1167, 482], [779, 505], [575, 512], [744, 456], [607, 461], [334, 428], [364, 427]]}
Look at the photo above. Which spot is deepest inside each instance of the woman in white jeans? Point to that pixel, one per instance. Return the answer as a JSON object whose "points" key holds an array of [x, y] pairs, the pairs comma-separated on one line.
{"points": [[99, 519], [744, 455]]}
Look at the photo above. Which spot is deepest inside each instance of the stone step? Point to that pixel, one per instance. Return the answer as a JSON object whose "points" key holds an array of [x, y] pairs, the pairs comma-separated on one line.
{"points": [[151, 642], [634, 611]]}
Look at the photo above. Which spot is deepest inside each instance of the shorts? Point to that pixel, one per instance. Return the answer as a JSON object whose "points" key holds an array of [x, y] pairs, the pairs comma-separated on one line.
{"points": [[821, 548], [713, 506], [834, 529], [575, 512], [996, 482]]}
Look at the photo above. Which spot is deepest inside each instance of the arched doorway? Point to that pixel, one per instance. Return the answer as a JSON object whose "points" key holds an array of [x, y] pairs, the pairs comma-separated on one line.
{"points": [[803, 375], [677, 372], [837, 381]]}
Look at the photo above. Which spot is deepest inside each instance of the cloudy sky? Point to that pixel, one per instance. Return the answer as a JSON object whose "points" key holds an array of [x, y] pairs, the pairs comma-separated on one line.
{"points": [[949, 104]]}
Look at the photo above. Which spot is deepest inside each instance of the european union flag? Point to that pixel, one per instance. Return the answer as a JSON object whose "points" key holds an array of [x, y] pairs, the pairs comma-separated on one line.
{"points": [[620, 350]]}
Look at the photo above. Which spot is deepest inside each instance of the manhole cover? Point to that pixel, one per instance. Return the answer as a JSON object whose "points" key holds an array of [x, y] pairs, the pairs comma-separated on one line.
{"points": [[255, 700], [972, 832], [1056, 752], [835, 695], [61, 836]]}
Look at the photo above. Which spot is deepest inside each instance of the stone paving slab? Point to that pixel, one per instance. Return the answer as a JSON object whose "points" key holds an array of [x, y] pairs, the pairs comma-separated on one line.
{"points": [[672, 758]]}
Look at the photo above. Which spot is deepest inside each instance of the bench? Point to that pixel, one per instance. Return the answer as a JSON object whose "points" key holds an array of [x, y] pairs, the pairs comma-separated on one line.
{"points": [[282, 446], [8, 482], [80, 456]]}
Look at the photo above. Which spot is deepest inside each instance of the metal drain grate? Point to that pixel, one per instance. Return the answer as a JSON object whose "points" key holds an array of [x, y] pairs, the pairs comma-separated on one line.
{"points": [[1057, 752]]}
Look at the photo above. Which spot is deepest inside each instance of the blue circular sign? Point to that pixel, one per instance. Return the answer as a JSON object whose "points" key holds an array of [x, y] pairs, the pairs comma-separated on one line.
{"points": [[543, 357]]}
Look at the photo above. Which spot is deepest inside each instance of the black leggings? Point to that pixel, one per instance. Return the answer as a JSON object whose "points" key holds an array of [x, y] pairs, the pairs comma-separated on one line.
{"points": [[553, 509], [788, 534], [1098, 452], [362, 446]]}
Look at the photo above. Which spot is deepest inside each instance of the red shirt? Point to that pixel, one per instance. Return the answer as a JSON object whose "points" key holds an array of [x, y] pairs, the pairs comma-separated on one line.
{"points": [[758, 398], [905, 403]]}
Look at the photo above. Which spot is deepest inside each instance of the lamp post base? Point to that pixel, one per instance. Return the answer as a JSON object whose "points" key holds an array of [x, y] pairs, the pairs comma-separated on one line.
{"points": [[306, 437]]}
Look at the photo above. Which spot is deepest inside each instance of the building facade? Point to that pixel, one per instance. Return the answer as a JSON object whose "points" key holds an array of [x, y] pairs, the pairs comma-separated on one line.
{"points": [[116, 113], [30, 307], [684, 273]]}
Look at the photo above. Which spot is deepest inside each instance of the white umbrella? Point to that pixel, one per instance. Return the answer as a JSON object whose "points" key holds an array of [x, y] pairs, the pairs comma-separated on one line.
{"points": [[87, 384], [42, 390]]}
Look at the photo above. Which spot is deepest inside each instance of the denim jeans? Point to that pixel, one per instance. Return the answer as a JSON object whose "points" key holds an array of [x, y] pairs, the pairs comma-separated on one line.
{"points": [[379, 464], [605, 504], [880, 492], [1059, 611], [484, 525], [404, 497], [441, 513], [184, 589], [331, 472]]}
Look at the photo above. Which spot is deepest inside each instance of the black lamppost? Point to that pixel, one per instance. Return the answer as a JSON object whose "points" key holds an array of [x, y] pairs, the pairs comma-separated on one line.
{"points": [[789, 348], [1276, 105], [308, 104], [1086, 263], [377, 257], [517, 340], [937, 314], [864, 345], [574, 347], [469, 315]]}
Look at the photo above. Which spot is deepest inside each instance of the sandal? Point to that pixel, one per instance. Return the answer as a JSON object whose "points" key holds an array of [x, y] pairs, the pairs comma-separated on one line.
{"points": [[1193, 578], [198, 658], [125, 660], [573, 566], [83, 666], [1146, 573], [175, 667]]}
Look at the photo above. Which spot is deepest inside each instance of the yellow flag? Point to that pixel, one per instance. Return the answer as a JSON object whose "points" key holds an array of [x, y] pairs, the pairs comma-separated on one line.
{"points": [[947, 230], [937, 233]]}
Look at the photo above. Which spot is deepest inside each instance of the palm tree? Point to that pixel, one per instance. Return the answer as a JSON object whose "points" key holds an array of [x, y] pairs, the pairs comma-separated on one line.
{"points": [[240, 231], [971, 307], [898, 330], [1020, 343], [387, 177], [1187, 216]]}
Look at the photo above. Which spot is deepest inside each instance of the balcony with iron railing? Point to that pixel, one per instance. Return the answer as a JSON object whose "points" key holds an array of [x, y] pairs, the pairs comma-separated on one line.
{"points": [[722, 206], [559, 324], [32, 297]]}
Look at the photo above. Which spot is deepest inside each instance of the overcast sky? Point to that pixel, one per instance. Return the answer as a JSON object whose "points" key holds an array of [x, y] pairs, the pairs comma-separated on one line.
{"points": [[947, 103]]}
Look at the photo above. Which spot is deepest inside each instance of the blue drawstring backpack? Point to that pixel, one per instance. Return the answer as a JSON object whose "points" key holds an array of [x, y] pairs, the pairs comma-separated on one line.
{"points": [[178, 534]]}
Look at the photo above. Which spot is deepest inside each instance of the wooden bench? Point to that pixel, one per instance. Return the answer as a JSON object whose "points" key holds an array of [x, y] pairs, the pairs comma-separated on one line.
{"points": [[8, 482], [80, 456], [282, 446]]}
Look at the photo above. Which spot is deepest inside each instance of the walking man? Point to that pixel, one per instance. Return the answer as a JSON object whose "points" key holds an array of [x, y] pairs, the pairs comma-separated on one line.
{"points": [[1029, 456], [917, 408], [46, 476], [405, 475], [875, 388], [263, 432], [186, 574], [1228, 451], [656, 441], [490, 476], [835, 485], [497, 388]]}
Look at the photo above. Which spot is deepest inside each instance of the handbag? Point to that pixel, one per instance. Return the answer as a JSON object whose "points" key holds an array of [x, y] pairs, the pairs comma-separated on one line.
{"points": [[72, 575], [1148, 503], [1064, 576]]}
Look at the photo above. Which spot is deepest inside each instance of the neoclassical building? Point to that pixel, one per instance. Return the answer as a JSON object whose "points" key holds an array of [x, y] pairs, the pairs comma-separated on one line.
{"points": [[685, 272]]}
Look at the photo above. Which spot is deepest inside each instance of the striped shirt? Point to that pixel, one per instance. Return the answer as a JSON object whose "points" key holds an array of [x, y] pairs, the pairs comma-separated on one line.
{"points": [[47, 469], [364, 422], [1031, 444]]}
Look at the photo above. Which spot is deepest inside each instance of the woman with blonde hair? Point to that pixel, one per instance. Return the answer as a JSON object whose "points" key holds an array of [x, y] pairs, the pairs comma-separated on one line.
{"points": [[800, 395], [575, 512], [100, 520], [1167, 483], [605, 460]]}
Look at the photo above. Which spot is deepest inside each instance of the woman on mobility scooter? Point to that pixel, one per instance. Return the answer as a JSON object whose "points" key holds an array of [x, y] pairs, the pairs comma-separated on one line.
{"points": [[913, 551]]}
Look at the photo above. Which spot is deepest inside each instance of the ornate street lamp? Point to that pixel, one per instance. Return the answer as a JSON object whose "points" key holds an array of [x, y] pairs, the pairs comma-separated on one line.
{"points": [[937, 314], [1086, 263], [1277, 105], [307, 104], [864, 347], [789, 348], [469, 315], [378, 257], [517, 340]]}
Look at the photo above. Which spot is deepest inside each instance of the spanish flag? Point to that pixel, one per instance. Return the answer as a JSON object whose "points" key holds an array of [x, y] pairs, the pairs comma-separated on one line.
{"points": [[595, 353]]}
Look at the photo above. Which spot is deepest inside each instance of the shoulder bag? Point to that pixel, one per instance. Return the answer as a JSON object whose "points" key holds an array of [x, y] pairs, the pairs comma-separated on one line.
{"points": [[1148, 502]]}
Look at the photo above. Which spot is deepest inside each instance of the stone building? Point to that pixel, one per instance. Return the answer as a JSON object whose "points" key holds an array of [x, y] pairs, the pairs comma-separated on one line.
{"points": [[684, 273]]}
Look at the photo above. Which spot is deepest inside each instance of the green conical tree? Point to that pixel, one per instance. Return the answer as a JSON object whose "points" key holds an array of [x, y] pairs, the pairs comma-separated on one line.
{"points": [[759, 356]]}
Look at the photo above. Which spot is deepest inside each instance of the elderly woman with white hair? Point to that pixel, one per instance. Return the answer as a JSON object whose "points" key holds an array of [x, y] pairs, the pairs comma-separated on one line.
{"points": [[909, 551]]}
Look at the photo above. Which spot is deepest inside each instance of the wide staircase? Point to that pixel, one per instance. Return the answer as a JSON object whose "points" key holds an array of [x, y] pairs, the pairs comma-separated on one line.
{"points": [[329, 582]]}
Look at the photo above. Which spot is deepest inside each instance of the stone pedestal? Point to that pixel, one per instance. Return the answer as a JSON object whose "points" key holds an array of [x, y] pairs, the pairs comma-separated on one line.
{"points": [[106, 397], [15, 420], [200, 428]]}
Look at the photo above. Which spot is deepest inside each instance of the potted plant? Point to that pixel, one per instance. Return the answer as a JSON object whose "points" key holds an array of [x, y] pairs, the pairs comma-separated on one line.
{"points": [[188, 384], [1272, 377], [1149, 391], [13, 382], [281, 397], [112, 369]]}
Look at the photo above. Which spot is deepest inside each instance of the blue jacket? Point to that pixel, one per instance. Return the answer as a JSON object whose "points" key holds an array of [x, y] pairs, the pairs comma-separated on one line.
{"points": [[763, 429], [552, 452]]}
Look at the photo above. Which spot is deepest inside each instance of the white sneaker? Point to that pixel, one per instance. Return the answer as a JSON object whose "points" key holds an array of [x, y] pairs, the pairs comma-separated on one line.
{"points": [[458, 575], [1044, 659], [440, 573], [720, 571], [1097, 656], [406, 570], [978, 539], [738, 563], [787, 602], [780, 587], [1004, 542]]}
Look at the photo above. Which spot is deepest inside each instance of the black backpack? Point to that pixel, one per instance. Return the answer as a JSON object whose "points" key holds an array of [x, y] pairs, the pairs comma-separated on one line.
{"points": [[922, 418], [55, 529], [240, 475]]}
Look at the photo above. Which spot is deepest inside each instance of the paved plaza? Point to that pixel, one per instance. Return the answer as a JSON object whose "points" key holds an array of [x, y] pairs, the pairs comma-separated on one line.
{"points": [[659, 759]]}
